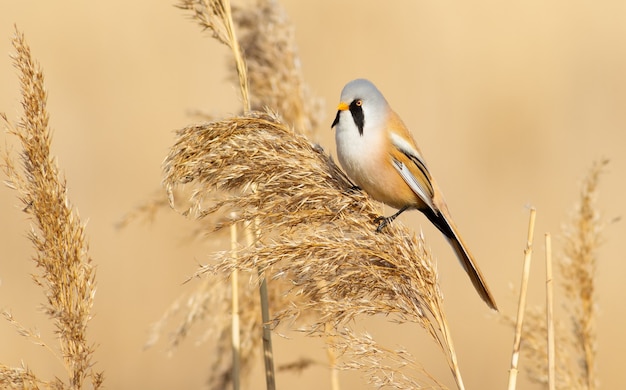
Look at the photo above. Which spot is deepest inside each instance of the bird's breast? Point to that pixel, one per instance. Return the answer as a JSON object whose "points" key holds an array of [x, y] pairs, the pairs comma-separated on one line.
{"points": [[366, 160]]}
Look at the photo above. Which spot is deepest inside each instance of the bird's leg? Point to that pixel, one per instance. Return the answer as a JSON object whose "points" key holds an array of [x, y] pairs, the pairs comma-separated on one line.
{"points": [[384, 221]]}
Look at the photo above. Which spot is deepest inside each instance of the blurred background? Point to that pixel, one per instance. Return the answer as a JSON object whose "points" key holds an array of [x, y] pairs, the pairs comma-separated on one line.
{"points": [[510, 103]]}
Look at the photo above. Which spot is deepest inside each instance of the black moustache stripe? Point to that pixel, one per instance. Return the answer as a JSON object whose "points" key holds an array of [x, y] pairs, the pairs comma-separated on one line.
{"points": [[357, 115], [336, 119]]}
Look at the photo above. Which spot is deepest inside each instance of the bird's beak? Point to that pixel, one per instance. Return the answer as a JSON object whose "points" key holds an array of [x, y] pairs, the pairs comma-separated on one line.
{"points": [[341, 107]]}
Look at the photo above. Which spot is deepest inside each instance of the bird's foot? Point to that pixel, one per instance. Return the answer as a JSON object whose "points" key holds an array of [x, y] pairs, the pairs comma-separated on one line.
{"points": [[382, 221]]}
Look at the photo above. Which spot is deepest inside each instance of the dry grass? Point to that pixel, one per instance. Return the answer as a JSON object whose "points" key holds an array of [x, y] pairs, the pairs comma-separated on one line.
{"points": [[316, 232], [267, 38], [575, 339], [216, 16], [315, 236], [67, 275], [267, 65], [583, 237], [275, 81]]}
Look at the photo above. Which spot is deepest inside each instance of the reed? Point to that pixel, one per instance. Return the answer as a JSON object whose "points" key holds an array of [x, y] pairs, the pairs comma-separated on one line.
{"points": [[317, 233], [66, 272], [521, 306], [582, 239], [560, 350], [275, 73]]}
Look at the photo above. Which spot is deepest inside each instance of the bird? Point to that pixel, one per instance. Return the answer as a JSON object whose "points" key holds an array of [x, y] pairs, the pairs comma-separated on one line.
{"points": [[379, 154]]}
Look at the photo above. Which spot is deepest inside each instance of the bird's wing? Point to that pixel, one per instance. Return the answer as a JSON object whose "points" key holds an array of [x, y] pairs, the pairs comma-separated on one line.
{"points": [[411, 167], [414, 183]]}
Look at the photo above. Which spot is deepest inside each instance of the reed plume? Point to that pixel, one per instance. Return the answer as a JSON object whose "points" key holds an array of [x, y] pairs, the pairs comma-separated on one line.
{"points": [[267, 38], [275, 78], [67, 274], [576, 337], [216, 17], [583, 237], [317, 233]]}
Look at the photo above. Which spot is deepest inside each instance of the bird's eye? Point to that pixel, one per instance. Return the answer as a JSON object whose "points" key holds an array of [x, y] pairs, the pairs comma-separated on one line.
{"points": [[359, 102]]}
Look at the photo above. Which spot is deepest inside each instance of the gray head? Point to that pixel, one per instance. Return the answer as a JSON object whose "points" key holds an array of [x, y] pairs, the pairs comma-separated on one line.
{"points": [[365, 103]]}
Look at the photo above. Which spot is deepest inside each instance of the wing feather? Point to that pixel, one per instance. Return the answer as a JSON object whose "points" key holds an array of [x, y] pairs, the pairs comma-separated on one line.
{"points": [[411, 167], [417, 187]]}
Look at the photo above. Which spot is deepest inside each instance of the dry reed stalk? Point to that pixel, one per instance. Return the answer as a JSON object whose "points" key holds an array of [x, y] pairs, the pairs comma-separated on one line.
{"points": [[216, 16], [268, 350], [267, 38], [269, 43], [252, 235], [275, 76], [521, 306], [575, 339], [67, 274], [332, 362], [551, 349], [266, 55], [235, 334], [315, 232]]}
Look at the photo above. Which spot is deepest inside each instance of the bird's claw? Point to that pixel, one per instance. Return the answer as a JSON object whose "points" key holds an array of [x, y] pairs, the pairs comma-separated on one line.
{"points": [[382, 221]]}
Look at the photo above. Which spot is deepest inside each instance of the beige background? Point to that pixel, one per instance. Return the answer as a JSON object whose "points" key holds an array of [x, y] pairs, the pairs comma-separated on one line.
{"points": [[510, 102]]}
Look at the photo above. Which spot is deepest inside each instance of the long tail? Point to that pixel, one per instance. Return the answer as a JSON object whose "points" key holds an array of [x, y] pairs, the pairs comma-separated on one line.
{"points": [[444, 223]]}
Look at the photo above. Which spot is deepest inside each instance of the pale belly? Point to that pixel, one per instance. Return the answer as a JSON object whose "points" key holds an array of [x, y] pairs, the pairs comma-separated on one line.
{"points": [[373, 171]]}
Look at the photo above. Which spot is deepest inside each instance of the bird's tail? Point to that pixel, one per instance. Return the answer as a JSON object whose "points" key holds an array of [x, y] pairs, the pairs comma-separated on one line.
{"points": [[444, 223]]}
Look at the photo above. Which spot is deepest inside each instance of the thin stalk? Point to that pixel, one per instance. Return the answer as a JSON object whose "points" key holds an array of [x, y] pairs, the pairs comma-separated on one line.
{"points": [[236, 342], [447, 341], [521, 306], [268, 353], [242, 73], [550, 315], [239, 58], [332, 362]]}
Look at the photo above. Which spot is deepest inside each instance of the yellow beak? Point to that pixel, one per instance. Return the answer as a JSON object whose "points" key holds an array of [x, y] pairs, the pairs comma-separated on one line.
{"points": [[343, 106]]}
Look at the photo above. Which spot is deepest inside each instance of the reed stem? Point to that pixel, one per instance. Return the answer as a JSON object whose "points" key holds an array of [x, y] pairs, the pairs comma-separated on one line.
{"points": [[550, 315], [521, 306]]}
